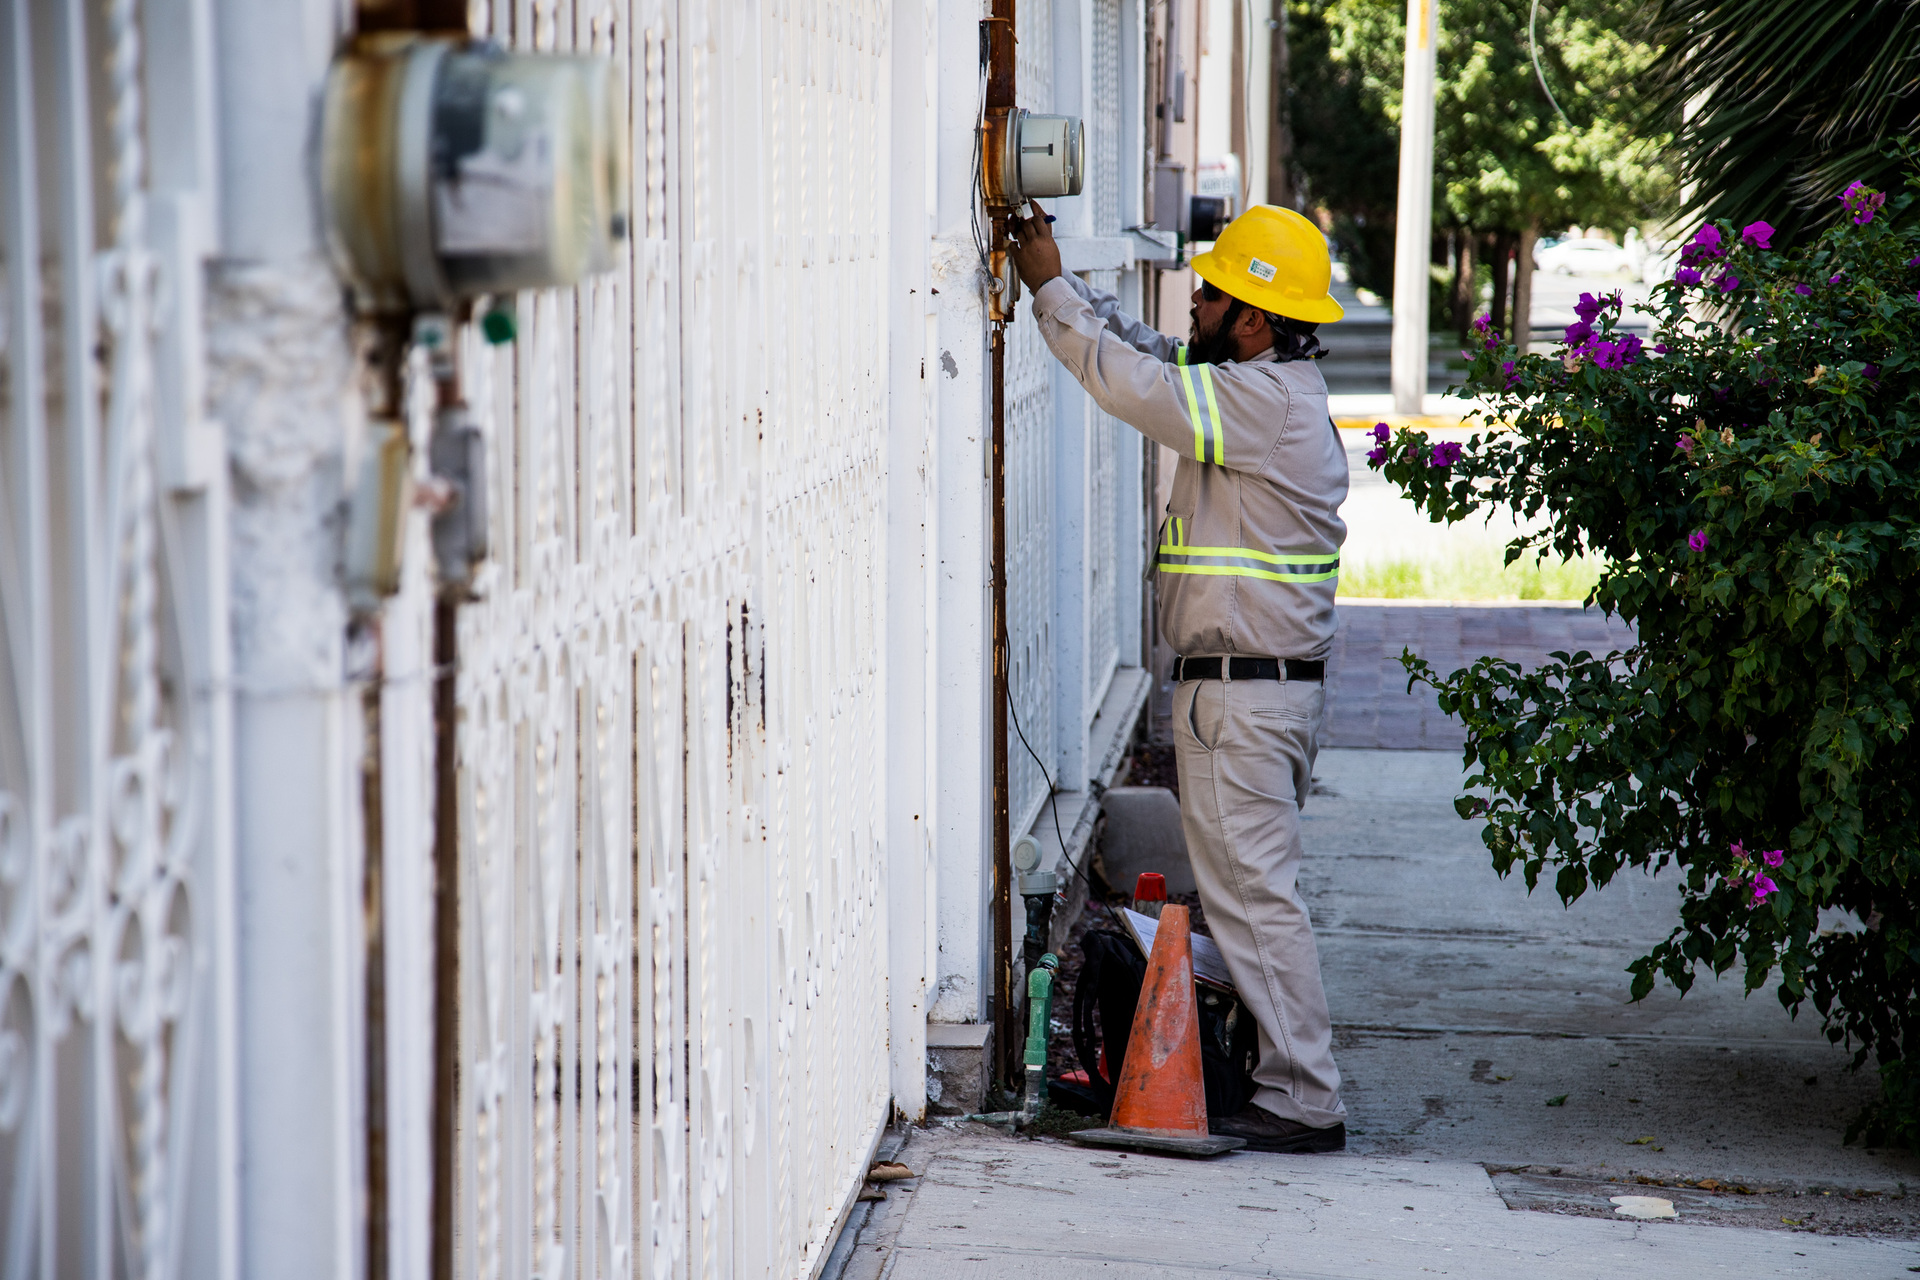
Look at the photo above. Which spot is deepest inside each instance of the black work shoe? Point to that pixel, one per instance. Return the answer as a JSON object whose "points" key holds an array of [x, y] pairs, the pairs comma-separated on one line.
{"points": [[1265, 1131]]}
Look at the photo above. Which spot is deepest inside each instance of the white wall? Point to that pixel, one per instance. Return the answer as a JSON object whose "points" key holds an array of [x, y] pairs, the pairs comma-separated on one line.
{"points": [[912, 581], [282, 384]]}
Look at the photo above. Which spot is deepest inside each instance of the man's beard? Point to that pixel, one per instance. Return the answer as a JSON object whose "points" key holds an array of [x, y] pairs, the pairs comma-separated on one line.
{"points": [[1216, 346]]}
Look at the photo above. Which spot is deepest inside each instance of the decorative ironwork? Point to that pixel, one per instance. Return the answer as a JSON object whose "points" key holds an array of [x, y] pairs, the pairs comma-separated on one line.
{"points": [[110, 856], [673, 1046]]}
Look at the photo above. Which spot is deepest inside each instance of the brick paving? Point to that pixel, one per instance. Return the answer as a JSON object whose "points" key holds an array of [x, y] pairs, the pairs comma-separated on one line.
{"points": [[1367, 700]]}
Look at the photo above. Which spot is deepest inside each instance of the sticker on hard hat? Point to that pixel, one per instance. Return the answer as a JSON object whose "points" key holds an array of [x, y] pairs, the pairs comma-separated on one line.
{"points": [[1261, 270]]}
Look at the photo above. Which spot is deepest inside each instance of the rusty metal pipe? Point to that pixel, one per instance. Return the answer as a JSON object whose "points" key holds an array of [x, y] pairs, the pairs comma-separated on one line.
{"points": [[998, 30]]}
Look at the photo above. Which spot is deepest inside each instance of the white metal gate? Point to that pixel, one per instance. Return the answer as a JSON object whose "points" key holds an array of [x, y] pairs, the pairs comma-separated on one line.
{"points": [[1030, 492], [115, 892], [673, 1049], [673, 1020], [1107, 124]]}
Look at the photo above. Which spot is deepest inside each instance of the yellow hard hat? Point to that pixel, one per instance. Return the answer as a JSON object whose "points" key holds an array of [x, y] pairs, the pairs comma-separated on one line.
{"points": [[1276, 260]]}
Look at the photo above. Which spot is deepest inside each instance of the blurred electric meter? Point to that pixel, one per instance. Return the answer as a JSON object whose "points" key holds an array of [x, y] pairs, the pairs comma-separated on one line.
{"points": [[1218, 178], [1048, 157], [452, 168]]}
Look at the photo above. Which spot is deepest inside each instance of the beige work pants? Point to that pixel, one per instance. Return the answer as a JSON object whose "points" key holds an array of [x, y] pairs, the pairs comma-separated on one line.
{"points": [[1245, 750]]}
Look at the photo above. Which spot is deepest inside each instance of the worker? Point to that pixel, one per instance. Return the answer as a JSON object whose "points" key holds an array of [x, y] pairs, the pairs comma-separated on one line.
{"points": [[1248, 558]]}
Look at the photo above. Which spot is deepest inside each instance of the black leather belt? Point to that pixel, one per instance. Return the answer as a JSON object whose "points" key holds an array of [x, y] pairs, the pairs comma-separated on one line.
{"points": [[1248, 669]]}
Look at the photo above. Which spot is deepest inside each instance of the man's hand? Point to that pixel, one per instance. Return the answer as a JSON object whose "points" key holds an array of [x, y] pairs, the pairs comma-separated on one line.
{"points": [[1035, 255]]}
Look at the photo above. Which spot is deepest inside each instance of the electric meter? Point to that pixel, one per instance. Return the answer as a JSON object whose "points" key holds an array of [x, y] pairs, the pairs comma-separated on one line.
{"points": [[1034, 155], [452, 168], [1053, 155]]}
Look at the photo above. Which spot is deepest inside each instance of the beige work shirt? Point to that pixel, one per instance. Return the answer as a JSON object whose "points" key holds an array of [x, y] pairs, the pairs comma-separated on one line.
{"points": [[1249, 554]]}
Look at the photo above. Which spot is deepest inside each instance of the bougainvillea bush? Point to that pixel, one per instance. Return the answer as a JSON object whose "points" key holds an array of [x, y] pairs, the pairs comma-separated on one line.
{"points": [[1750, 477]]}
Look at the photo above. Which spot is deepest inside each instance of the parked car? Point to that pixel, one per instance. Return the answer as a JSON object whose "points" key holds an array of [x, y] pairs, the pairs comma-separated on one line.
{"points": [[1659, 263], [1582, 258]]}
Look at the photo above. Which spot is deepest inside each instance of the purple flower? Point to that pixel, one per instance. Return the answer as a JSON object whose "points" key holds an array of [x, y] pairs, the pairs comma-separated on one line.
{"points": [[1445, 454], [1685, 445], [1835, 277], [1661, 348], [1376, 457], [1704, 247], [1590, 307], [1913, 262], [1380, 432], [1728, 282], [1482, 323], [1862, 201], [1803, 289], [1686, 276], [1616, 354], [1506, 367], [1774, 857], [1763, 885], [1870, 372], [1739, 852], [1579, 333], [1697, 540], [1757, 234]]}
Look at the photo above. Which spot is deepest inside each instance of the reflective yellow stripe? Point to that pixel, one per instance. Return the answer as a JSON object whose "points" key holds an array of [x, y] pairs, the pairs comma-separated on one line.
{"points": [[1236, 571], [1193, 411], [1288, 566], [1180, 354], [1213, 416], [1250, 554]]}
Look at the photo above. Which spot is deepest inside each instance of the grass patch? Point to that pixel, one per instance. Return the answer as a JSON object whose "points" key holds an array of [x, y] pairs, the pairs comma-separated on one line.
{"points": [[1472, 573]]}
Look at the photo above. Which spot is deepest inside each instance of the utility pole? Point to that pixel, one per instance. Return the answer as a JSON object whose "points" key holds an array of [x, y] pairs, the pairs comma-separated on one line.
{"points": [[1413, 230]]}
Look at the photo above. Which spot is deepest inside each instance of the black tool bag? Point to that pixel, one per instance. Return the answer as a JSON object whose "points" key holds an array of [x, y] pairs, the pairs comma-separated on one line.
{"points": [[1111, 975]]}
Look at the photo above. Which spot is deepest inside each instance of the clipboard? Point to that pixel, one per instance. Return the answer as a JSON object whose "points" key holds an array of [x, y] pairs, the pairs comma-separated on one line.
{"points": [[1209, 966]]}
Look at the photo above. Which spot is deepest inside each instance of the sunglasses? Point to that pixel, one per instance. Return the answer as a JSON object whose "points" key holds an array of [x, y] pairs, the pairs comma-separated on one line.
{"points": [[1210, 293]]}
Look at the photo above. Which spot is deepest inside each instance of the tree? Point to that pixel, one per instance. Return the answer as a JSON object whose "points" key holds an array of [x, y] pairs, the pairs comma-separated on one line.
{"points": [[1506, 162], [1753, 494], [1776, 106], [1346, 147]]}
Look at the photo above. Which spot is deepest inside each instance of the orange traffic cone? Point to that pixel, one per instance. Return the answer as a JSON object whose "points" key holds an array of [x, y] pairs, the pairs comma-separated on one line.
{"points": [[1160, 1104]]}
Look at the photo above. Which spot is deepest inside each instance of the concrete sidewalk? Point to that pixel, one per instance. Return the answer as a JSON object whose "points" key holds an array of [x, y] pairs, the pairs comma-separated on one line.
{"points": [[1500, 1092], [1463, 1006], [999, 1208]]}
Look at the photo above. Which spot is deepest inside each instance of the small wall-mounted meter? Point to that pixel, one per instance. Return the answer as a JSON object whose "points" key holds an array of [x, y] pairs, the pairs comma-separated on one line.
{"points": [[452, 168], [1034, 155]]}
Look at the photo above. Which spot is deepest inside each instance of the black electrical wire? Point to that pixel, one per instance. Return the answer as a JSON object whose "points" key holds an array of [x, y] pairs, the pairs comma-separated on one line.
{"points": [[1053, 805], [979, 140]]}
